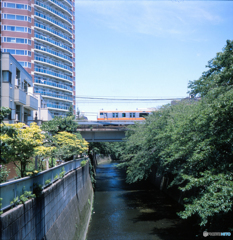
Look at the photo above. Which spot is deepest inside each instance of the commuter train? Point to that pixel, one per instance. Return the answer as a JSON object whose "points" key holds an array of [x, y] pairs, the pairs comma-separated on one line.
{"points": [[116, 116]]}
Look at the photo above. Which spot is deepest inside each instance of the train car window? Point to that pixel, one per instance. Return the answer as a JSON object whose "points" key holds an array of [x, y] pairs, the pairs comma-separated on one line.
{"points": [[143, 114], [113, 115], [116, 115], [131, 115], [101, 113], [123, 114], [134, 115]]}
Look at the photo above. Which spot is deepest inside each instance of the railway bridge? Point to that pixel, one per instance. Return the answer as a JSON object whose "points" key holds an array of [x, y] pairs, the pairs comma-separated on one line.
{"points": [[93, 131]]}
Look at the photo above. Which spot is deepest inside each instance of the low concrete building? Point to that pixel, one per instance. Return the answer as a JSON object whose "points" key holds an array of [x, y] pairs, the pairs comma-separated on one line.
{"points": [[17, 94], [16, 90], [42, 114]]}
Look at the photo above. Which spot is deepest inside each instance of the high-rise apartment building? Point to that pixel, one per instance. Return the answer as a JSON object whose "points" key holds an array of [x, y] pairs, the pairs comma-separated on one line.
{"points": [[40, 34]]}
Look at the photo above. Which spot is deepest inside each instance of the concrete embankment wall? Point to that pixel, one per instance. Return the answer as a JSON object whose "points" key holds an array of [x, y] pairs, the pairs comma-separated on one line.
{"points": [[62, 212]]}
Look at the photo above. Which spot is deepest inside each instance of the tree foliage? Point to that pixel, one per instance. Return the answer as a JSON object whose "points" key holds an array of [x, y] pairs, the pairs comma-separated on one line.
{"points": [[23, 145], [193, 141], [114, 149], [59, 124], [69, 144], [61, 133]]}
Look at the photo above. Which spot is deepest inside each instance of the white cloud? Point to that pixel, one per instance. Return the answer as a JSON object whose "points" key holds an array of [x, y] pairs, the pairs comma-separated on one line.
{"points": [[158, 18]]}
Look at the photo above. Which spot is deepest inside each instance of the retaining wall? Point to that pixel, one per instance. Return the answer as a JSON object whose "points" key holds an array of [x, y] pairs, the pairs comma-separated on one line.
{"points": [[62, 212]]}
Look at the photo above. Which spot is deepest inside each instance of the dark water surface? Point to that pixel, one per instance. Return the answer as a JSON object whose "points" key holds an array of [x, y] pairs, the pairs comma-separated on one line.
{"points": [[134, 211]]}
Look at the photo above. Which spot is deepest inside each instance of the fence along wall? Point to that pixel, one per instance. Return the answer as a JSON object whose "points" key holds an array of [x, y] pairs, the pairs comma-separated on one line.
{"points": [[12, 189], [62, 212]]}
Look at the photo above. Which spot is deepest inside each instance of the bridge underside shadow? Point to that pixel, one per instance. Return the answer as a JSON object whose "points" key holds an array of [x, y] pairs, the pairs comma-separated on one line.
{"points": [[103, 136]]}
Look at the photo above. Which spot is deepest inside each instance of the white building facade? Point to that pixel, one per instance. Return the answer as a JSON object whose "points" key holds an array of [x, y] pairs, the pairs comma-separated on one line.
{"points": [[16, 90]]}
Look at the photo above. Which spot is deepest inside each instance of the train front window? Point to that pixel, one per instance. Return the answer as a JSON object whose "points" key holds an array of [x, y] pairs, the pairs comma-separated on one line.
{"points": [[123, 114], [143, 114], [101, 113]]}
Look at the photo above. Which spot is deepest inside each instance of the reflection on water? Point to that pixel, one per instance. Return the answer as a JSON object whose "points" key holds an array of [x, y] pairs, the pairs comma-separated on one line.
{"points": [[134, 211]]}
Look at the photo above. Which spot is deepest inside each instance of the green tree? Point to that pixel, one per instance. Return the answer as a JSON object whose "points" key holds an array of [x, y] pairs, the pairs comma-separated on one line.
{"points": [[5, 129], [57, 127], [59, 124], [71, 111], [194, 142], [23, 146]]}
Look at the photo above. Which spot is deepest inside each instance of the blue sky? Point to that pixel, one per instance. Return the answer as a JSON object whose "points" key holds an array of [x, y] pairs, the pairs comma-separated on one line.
{"points": [[145, 48]]}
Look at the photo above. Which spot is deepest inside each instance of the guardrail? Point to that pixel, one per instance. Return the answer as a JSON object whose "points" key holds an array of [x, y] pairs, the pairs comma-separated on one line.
{"points": [[12, 189]]}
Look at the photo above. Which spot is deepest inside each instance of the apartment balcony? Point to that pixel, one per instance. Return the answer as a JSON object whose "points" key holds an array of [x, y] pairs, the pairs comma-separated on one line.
{"points": [[48, 63], [57, 107], [55, 96], [52, 55], [61, 38], [53, 85], [69, 2], [56, 24], [53, 12], [19, 96], [61, 6], [53, 43], [31, 102]]}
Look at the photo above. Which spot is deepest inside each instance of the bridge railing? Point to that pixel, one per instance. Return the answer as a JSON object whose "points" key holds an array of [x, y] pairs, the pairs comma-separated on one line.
{"points": [[12, 189]]}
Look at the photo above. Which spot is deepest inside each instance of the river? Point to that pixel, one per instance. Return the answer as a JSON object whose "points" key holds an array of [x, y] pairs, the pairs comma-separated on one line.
{"points": [[134, 211]]}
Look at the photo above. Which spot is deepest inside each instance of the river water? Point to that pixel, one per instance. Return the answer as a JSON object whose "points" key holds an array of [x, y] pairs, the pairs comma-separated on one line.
{"points": [[134, 211]]}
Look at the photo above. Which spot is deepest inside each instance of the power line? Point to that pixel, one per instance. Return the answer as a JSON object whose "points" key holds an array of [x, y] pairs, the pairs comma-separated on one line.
{"points": [[128, 99]]}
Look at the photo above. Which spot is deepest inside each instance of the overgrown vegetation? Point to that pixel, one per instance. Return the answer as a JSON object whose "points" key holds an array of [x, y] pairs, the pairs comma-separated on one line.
{"points": [[62, 173], [48, 181], [4, 173], [114, 149], [83, 163], [23, 198], [1, 205], [193, 140]]}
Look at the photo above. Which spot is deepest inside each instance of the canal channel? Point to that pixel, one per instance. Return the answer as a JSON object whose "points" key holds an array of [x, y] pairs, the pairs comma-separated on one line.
{"points": [[124, 211]]}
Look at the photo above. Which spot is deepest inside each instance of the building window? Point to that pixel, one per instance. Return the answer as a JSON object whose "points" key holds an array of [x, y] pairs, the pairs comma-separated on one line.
{"points": [[6, 76], [16, 40], [18, 52], [10, 5], [20, 6], [16, 29]]}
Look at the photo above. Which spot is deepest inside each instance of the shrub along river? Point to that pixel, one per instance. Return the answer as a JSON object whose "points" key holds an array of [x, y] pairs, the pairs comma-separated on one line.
{"points": [[124, 211]]}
